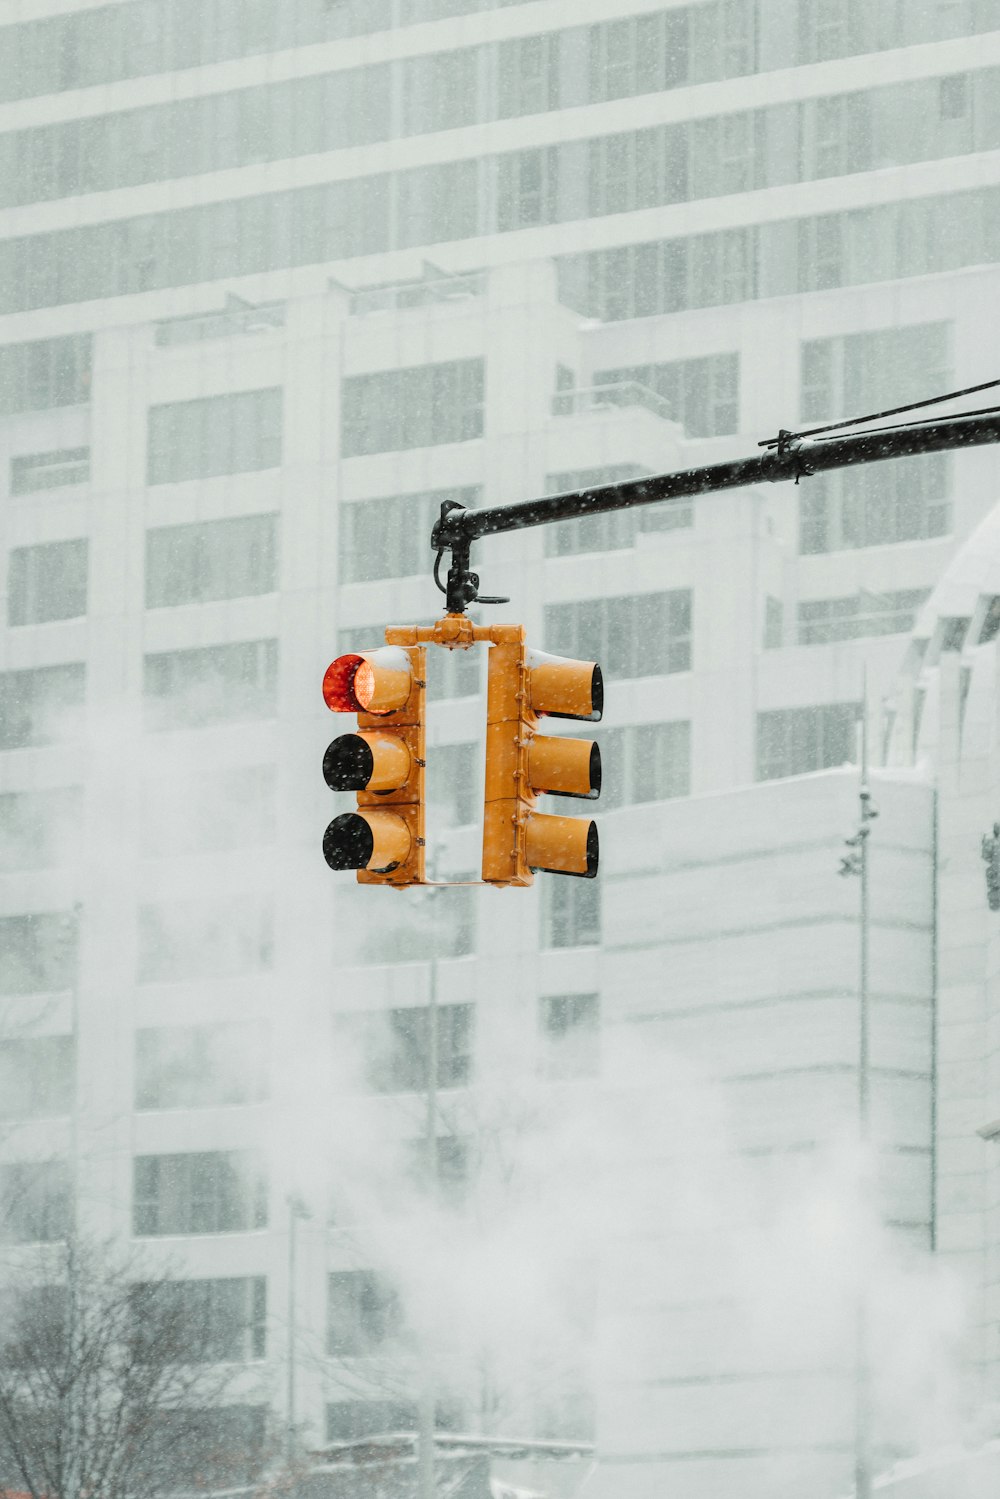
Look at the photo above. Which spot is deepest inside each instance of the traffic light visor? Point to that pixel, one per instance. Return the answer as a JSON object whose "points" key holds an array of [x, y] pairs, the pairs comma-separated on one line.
{"points": [[562, 845], [376, 841], [377, 682], [565, 767], [560, 688]]}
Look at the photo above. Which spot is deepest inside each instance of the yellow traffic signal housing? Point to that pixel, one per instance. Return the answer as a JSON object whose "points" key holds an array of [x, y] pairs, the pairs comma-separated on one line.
{"points": [[524, 686], [383, 763]]}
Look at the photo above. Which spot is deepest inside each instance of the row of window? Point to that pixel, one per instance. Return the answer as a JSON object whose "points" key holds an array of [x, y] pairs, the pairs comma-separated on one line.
{"points": [[463, 199], [913, 237], [188, 941], [237, 558], [450, 90], [242, 431], [712, 40], [748, 150], [214, 1321], [225, 1063], [84, 47], [189, 564], [638, 635], [860, 615]]}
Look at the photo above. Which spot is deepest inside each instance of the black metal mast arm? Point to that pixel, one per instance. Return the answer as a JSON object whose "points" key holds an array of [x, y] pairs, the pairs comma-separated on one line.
{"points": [[788, 458]]}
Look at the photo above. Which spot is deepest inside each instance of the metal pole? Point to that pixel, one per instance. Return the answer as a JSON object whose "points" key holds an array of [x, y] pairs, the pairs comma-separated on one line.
{"points": [[793, 460], [72, 1471], [786, 457], [862, 1443], [426, 1404], [294, 1211]]}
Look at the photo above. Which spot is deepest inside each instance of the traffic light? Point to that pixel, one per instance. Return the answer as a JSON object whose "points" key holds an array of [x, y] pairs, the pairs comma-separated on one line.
{"points": [[383, 763], [523, 686]]}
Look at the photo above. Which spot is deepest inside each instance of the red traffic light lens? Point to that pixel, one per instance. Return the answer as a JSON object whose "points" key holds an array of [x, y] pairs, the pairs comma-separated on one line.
{"points": [[349, 684]]}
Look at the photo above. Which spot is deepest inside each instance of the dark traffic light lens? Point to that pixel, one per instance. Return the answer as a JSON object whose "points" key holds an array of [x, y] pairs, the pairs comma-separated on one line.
{"points": [[348, 764], [348, 842]]}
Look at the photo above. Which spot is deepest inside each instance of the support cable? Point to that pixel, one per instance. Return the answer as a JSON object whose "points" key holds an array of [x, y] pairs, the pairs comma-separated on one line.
{"points": [[784, 438]]}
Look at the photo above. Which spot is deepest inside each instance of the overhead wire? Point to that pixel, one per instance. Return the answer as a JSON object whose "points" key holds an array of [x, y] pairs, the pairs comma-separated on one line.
{"points": [[856, 421]]}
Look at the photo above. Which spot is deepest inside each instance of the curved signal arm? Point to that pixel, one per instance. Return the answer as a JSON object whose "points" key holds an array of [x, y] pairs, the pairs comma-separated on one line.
{"points": [[787, 458]]}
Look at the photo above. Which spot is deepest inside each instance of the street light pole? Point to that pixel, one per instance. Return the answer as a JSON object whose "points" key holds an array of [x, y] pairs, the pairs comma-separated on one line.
{"points": [[296, 1210], [856, 863], [71, 1401], [426, 1403]]}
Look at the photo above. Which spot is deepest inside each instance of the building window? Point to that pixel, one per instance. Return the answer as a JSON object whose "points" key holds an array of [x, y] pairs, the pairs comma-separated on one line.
{"points": [[209, 810], [215, 1447], [657, 761], [438, 93], [452, 1169], [193, 939], [906, 500], [454, 781], [211, 684], [31, 472], [217, 1321], [648, 762], [640, 635], [527, 188], [991, 622], [952, 634], [953, 97], [200, 1066], [640, 169], [387, 537], [404, 1063], [35, 1202], [47, 582], [829, 29], [638, 55], [38, 952], [44, 374], [206, 1192], [362, 1313], [795, 741], [570, 1033], [230, 434], [38, 828], [702, 394], [37, 706], [571, 913], [527, 70], [36, 1077], [859, 615], [221, 559], [351, 1420], [856, 373], [774, 624], [412, 408]]}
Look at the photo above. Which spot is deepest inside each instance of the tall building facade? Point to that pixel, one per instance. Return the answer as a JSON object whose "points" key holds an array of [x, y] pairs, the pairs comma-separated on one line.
{"points": [[275, 281]]}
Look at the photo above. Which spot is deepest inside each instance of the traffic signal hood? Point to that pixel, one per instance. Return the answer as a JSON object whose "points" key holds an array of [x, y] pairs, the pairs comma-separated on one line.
{"points": [[383, 763]]}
